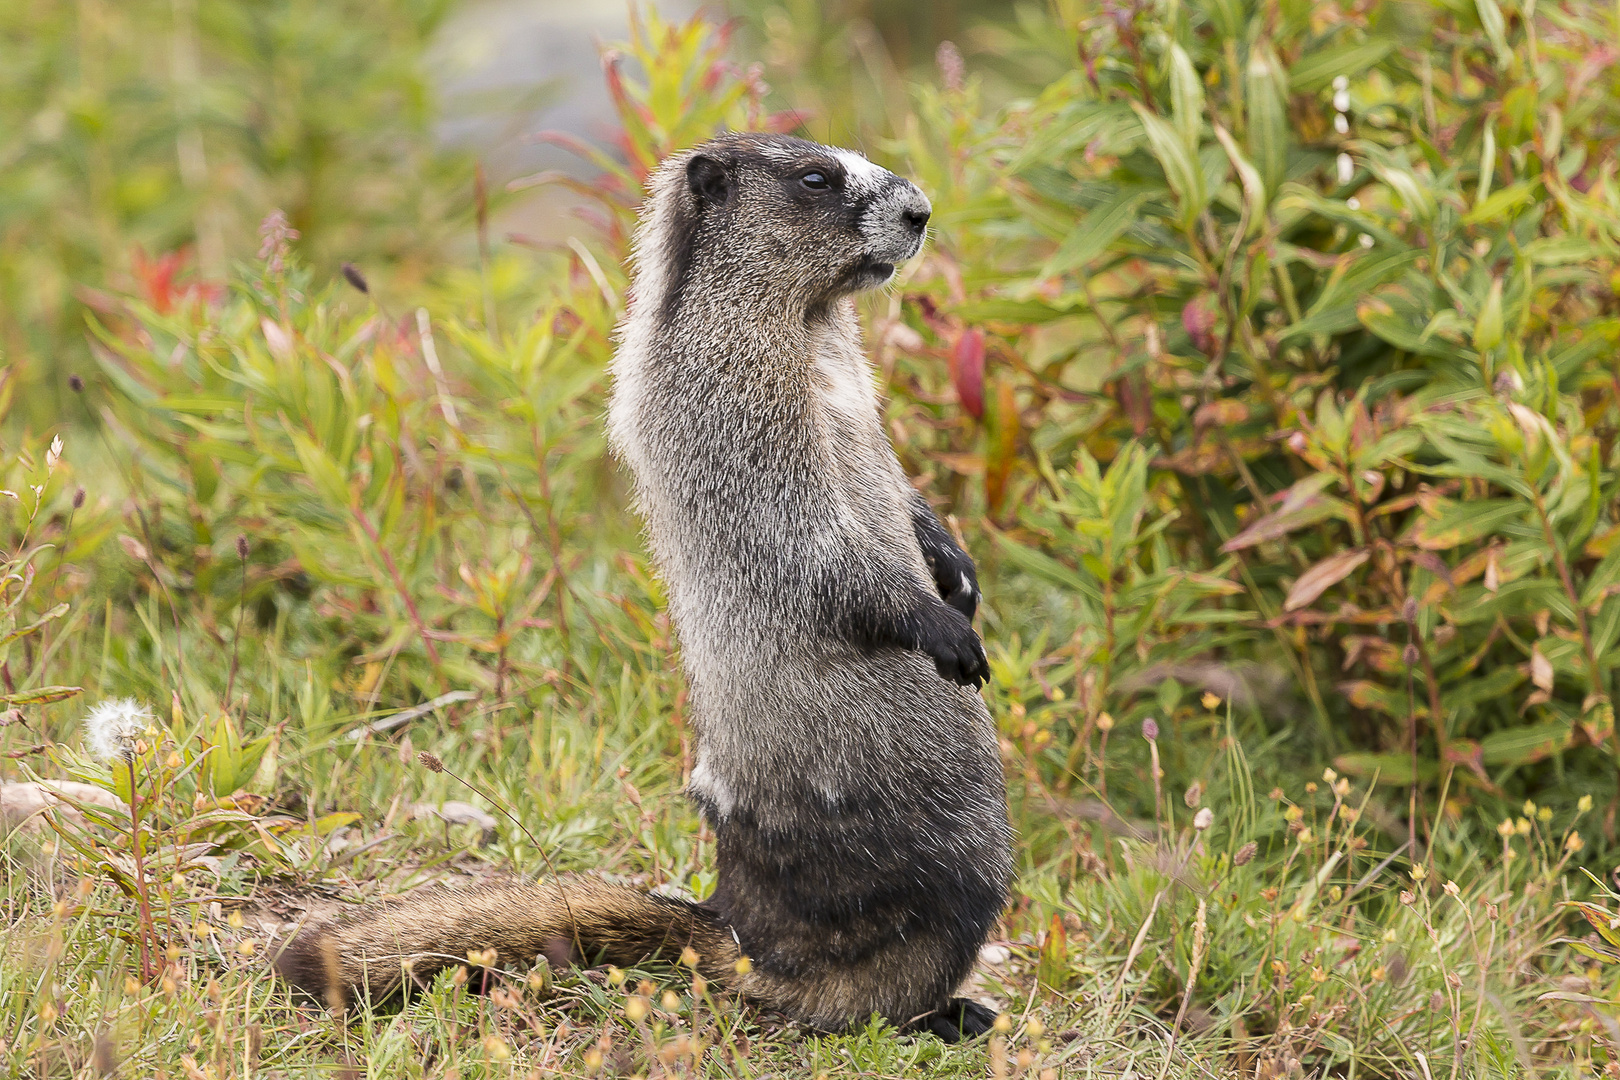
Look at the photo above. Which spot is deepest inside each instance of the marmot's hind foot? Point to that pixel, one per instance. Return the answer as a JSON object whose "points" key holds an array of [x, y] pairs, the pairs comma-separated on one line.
{"points": [[961, 1020]]}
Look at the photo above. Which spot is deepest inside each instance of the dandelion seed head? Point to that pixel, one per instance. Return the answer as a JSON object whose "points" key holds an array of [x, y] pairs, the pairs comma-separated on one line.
{"points": [[113, 726]]}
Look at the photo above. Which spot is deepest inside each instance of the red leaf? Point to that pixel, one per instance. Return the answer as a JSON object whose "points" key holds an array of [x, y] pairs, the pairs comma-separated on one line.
{"points": [[157, 278], [967, 371], [1471, 756], [1319, 578], [1135, 401], [1304, 504], [1199, 322]]}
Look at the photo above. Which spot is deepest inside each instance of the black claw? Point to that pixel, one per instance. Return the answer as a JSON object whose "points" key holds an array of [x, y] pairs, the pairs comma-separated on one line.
{"points": [[961, 1019], [975, 1020]]}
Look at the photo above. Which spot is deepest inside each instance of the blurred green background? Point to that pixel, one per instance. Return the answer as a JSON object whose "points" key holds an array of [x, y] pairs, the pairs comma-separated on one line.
{"points": [[134, 130]]}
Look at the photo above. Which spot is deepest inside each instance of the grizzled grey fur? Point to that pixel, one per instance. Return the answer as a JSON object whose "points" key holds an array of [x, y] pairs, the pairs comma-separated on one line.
{"points": [[844, 758]]}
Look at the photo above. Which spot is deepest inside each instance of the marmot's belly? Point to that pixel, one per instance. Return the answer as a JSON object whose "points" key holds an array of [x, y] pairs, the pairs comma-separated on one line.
{"points": [[883, 769], [837, 721]]}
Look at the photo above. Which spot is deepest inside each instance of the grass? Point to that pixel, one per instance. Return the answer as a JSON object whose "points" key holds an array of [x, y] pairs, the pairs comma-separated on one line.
{"points": [[1229, 917], [1296, 967]]}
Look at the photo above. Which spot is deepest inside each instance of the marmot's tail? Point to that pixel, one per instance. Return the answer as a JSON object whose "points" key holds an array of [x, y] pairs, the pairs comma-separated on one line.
{"points": [[391, 944]]}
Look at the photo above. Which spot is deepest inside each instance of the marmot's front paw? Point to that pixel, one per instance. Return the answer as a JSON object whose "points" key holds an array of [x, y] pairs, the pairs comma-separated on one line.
{"points": [[957, 651], [955, 578]]}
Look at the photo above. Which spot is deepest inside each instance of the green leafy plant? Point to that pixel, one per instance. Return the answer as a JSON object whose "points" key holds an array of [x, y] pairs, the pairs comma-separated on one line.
{"points": [[145, 137], [1601, 945], [1137, 612], [1344, 276]]}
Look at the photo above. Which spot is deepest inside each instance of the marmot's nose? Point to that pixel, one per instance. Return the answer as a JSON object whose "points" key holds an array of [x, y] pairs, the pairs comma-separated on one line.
{"points": [[916, 217]]}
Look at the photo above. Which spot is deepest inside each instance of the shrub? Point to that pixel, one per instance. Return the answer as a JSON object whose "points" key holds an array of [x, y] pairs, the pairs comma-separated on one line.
{"points": [[1342, 274]]}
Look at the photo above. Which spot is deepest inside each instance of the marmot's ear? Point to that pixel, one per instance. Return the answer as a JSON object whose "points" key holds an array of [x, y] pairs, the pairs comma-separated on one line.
{"points": [[708, 179]]}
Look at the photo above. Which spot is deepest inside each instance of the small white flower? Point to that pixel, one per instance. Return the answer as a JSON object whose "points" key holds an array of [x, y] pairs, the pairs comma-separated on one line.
{"points": [[53, 455], [1347, 168], [1204, 819], [113, 726]]}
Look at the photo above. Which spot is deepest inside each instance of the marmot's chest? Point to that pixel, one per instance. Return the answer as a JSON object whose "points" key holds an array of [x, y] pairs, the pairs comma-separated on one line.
{"points": [[842, 386], [845, 403]]}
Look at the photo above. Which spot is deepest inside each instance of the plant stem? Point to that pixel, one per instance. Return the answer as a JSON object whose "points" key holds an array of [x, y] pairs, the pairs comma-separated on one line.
{"points": [[1411, 724], [236, 640], [1594, 674], [147, 932], [399, 585]]}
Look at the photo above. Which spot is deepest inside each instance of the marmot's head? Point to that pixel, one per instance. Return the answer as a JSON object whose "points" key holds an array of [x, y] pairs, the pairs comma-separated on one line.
{"points": [[770, 216]]}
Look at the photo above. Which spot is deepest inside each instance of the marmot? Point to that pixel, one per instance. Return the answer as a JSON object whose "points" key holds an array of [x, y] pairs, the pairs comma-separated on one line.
{"points": [[845, 761]]}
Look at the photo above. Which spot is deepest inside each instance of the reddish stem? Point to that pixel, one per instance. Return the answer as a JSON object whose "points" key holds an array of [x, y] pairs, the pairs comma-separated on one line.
{"points": [[399, 584]]}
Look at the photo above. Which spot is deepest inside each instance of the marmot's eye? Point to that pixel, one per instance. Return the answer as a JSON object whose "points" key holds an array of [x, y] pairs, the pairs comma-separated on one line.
{"points": [[815, 181]]}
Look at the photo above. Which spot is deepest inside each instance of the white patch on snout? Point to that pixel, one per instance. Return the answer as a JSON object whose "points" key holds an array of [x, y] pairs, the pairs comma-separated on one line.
{"points": [[861, 177], [884, 226]]}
